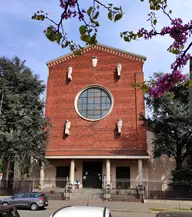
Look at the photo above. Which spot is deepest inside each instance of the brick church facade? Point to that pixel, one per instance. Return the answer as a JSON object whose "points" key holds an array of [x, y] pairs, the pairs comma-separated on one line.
{"points": [[96, 135]]}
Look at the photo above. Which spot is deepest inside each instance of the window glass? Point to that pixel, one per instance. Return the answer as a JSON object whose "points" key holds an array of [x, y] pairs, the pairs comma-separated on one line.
{"points": [[19, 195], [26, 195], [94, 103]]}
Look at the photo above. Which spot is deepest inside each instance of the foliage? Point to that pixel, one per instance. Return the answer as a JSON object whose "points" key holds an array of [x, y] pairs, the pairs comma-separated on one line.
{"points": [[1, 166], [182, 175], [22, 133], [170, 123], [177, 30]]}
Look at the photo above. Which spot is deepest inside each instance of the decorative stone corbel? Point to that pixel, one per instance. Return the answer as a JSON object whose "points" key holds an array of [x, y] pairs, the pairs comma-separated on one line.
{"points": [[119, 125], [119, 67], [94, 61], [69, 75], [67, 127]]}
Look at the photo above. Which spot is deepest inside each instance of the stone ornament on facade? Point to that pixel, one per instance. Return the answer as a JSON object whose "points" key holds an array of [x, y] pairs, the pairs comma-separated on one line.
{"points": [[119, 67], [119, 125], [94, 61], [69, 75], [67, 127]]}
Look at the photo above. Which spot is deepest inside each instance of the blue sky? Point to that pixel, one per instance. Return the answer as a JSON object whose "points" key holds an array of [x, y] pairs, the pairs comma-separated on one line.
{"points": [[21, 36]]}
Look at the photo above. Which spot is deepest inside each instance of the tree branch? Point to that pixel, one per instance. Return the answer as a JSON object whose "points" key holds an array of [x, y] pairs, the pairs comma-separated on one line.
{"points": [[79, 10], [61, 19], [181, 57], [166, 13], [103, 5], [51, 20]]}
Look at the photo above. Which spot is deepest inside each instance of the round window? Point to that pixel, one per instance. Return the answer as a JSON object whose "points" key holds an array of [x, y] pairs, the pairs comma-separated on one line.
{"points": [[93, 103]]}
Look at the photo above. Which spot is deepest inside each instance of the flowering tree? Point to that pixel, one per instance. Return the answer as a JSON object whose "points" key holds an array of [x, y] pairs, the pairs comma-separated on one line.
{"points": [[170, 123], [180, 33]]}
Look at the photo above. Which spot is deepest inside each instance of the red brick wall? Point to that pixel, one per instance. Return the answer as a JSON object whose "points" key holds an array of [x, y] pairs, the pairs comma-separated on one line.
{"points": [[99, 137]]}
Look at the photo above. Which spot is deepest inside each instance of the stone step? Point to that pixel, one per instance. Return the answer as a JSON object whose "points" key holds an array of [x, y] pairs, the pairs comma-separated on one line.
{"points": [[87, 194]]}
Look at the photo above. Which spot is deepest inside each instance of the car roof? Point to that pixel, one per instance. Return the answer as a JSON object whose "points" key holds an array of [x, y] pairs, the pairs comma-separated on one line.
{"points": [[4, 208], [176, 214], [29, 193], [84, 211]]}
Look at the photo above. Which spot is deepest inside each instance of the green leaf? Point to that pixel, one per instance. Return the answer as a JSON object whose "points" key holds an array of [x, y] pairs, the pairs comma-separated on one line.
{"points": [[77, 52], [67, 43], [89, 11], [50, 34], [93, 39], [126, 39], [154, 21], [118, 17], [97, 23], [96, 15], [85, 38], [34, 16], [110, 15], [170, 11], [59, 37], [42, 17], [82, 29], [125, 32], [117, 9], [90, 30]]}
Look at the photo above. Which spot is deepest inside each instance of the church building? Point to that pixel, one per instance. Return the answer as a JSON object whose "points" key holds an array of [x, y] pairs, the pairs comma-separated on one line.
{"points": [[96, 136]]}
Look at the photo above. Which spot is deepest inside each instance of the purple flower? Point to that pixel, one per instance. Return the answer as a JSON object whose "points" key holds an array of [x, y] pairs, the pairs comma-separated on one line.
{"points": [[165, 82]]}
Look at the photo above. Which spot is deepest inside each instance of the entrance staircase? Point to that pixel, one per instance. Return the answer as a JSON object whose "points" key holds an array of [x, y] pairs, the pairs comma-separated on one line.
{"points": [[89, 194]]}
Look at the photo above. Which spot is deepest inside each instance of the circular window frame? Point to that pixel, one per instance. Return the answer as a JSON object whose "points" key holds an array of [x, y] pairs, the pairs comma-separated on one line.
{"points": [[92, 86]]}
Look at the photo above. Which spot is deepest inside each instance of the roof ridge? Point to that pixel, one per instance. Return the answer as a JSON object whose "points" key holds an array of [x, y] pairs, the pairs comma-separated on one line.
{"points": [[101, 47]]}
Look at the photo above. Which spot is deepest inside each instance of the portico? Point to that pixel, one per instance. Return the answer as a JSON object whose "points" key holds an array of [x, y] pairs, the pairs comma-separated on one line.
{"points": [[123, 171]]}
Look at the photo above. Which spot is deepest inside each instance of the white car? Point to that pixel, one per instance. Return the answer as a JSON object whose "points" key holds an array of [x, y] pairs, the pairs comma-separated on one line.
{"points": [[82, 211]]}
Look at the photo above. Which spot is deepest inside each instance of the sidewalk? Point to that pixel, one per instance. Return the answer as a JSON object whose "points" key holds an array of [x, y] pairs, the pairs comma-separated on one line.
{"points": [[113, 206], [124, 206]]}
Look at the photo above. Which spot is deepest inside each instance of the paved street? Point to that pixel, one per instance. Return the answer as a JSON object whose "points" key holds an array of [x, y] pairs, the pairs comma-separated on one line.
{"points": [[118, 209], [48, 212]]}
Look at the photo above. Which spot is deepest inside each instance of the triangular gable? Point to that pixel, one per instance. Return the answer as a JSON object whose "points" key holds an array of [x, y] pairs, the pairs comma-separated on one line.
{"points": [[102, 48]]}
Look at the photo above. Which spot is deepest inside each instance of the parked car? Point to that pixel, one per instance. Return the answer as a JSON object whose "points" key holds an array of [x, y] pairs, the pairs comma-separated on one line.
{"points": [[8, 211], [33, 200], [82, 211], [174, 214]]}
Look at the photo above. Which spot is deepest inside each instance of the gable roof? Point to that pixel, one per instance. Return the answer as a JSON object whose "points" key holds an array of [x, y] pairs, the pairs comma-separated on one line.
{"points": [[103, 48]]}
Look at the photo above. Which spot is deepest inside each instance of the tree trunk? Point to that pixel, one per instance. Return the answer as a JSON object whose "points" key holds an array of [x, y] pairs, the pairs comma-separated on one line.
{"points": [[11, 177], [179, 157], [5, 163], [178, 164]]}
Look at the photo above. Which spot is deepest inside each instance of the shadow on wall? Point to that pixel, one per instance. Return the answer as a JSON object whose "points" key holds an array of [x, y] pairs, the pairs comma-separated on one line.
{"points": [[131, 142]]}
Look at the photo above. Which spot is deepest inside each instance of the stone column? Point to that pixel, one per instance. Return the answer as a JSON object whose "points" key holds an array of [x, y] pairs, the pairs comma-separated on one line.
{"points": [[72, 171], [108, 172], [140, 172], [42, 175]]}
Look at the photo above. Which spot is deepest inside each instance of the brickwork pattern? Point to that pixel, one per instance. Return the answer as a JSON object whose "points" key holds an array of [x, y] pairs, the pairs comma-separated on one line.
{"points": [[99, 137]]}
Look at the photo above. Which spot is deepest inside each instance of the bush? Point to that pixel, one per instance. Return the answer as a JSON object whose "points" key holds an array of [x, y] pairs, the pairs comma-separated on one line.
{"points": [[183, 175]]}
